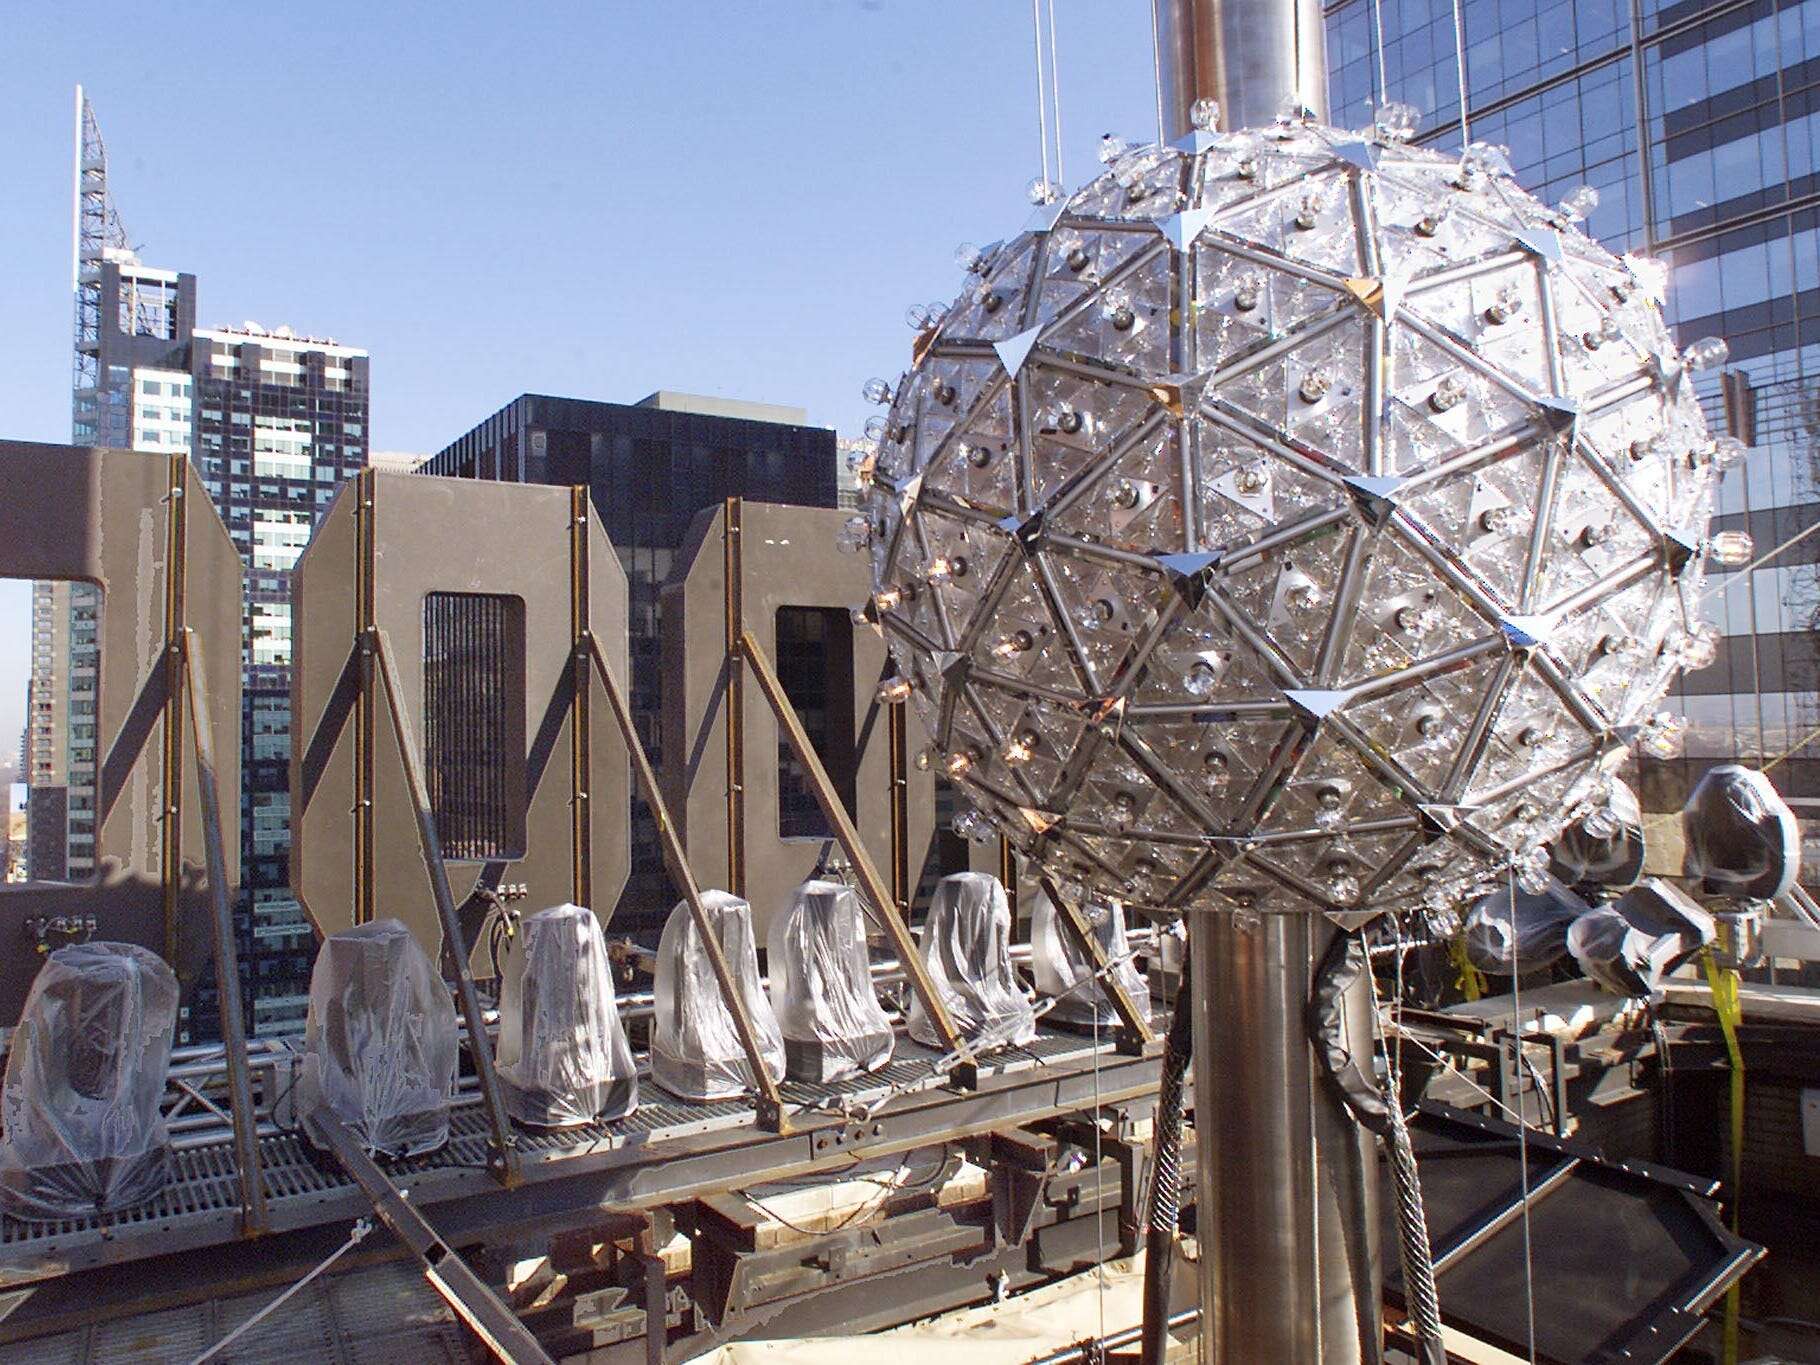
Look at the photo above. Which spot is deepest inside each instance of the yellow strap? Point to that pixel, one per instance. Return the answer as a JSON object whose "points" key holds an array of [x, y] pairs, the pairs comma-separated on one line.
{"points": [[1470, 979], [1724, 984]]}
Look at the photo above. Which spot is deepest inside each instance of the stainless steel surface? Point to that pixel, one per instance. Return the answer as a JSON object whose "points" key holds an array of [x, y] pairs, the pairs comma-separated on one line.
{"points": [[1250, 55], [1287, 1202]]}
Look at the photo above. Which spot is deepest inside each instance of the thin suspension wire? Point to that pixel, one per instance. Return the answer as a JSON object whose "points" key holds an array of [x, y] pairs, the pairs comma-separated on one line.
{"points": [[1156, 69], [1377, 29], [1042, 105], [1516, 1007], [1055, 99], [1459, 53]]}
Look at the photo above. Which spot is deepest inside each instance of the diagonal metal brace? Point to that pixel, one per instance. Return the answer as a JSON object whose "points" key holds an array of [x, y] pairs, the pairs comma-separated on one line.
{"points": [[247, 1166], [770, 1100], [504, 1156], [475, 1304], [1134, 1033], [872, 886]]}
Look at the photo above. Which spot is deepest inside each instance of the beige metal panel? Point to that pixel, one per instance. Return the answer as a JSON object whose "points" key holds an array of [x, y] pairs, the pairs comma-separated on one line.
{"points": [[789, 560], [432, 535], [103, 517]]}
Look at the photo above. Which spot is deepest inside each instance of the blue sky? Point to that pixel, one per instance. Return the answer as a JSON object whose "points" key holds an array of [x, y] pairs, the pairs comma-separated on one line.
{"points": [[734, 198]]}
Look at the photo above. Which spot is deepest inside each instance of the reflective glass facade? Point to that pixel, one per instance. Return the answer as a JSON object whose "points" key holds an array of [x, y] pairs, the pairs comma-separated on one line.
{"points": [[1696, 122]]}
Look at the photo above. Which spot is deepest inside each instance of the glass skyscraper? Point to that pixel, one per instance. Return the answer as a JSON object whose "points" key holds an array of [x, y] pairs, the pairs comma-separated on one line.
{"points": [[1696, 122]]}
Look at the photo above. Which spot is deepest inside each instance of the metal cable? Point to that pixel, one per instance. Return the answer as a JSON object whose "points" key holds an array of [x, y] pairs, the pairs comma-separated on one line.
{"points": [[356, 1235], [1156, 67], [1420, 1297], [1459, 49], [1055, 98], [1164, 1205], [1042, 106]]}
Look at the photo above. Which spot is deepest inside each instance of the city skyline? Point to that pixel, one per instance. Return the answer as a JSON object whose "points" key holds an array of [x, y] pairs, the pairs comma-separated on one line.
{"points": [[779, 162]]}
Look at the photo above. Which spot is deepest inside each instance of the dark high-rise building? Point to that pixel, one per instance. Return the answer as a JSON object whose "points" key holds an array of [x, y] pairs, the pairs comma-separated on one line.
{"points": [[651, 467], [280, 421], [1699, 125]]}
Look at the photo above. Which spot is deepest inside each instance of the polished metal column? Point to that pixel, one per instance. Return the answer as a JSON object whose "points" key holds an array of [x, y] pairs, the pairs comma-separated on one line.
{"points": [[1250, 55], [1287, 1206]]}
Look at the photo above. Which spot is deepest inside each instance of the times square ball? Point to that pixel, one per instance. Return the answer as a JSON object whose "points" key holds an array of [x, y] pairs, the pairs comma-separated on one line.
{"points": [[1290, 521]]}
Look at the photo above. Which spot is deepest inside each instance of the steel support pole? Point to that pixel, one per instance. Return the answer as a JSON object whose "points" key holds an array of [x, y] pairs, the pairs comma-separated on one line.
{"points": [[770, 1104], [1250, 55], [1287, 1199], [248, 1170], [502, 1160], [1287, 1209]]}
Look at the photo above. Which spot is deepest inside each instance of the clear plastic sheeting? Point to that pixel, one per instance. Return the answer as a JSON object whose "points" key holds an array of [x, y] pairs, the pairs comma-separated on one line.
{"points": [[966, 946], [1065, 975], [563, 1056], [1604, 849], [84, 1077], [1513, 930], [1630, 945], [379, 1040], [695, 1049], [821, 985], [1742, 839]]}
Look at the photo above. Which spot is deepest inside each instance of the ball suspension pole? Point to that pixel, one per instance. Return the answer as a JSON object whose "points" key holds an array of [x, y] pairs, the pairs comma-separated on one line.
{"points": [[1287, 1198]]}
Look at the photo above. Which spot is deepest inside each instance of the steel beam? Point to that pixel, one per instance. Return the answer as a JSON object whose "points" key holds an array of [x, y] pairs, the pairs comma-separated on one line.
{"points": [[248, 1169], [503, 1159], [475, 1304], [1134, 1033], [770, 1102], [872, 886]]}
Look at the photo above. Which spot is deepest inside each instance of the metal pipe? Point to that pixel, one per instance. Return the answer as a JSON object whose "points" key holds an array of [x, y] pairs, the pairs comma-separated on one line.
{"points": [[1287, 1210], [1250, 55]]}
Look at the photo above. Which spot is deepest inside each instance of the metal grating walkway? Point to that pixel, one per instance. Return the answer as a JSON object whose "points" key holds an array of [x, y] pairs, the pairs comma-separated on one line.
{"points": [[201, 1201]]}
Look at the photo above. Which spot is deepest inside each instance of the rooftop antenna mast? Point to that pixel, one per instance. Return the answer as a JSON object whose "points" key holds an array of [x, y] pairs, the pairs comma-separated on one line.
{"points": [[95, 228], [1287, 1186]]}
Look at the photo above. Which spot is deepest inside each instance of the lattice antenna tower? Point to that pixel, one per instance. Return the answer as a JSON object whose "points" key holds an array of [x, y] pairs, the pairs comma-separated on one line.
{"points": [[96, 227]]}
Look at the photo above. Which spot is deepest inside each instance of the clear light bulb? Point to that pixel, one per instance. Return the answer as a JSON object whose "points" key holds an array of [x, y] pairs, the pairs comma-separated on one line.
{"points": [[1580, 203], [876, 391], [1121, 812], [1396, 121], [1016, 643], [1112, 147], [1329, 808], [1731, 549], [970, 258], [1729, 451], [1041, 190], [1698, 648], [894, 690], [1506, 305], [961, 762], [1664, 735], [1706, 354], [1216, 768], [1448, 393], [887, 598], [1247, 293], [1200, 679], [1204, 114], [916, 317], [1314, 386], [1602, 822], [1021, 747]]}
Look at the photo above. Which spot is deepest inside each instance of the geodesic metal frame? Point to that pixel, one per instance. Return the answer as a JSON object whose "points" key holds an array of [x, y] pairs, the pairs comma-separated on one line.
{"points": [[1291, 521]]}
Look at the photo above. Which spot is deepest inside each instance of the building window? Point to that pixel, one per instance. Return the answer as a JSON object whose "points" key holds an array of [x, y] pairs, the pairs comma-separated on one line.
{"points": [[815, 666], [474, 722]]}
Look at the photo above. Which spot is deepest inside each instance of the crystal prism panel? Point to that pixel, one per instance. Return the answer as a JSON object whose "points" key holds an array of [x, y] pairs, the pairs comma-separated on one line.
{"points": [[1293, 520]]}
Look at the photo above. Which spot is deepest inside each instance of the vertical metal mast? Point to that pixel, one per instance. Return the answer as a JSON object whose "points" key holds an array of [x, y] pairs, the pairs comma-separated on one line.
{"points": [[1287, 1200], [96, 226]]}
